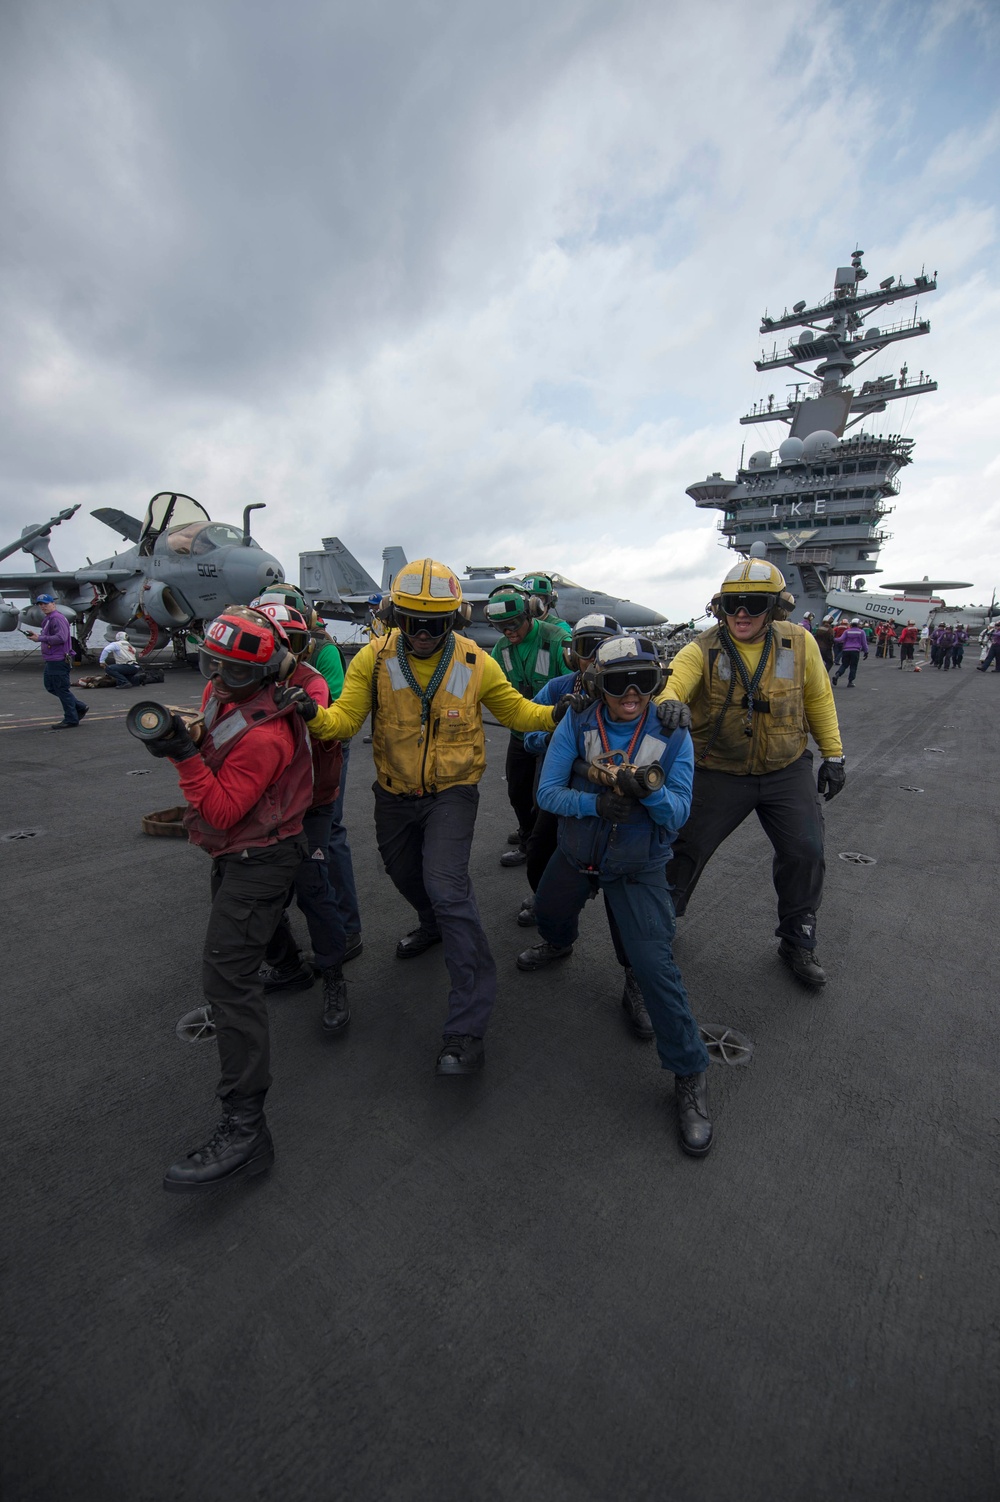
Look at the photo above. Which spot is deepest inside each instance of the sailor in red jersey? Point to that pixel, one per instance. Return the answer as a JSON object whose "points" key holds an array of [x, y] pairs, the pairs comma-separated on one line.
{"points": [[248, 784], [285, 969]]}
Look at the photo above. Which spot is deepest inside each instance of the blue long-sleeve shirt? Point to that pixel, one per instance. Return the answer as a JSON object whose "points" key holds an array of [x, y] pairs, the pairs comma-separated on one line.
{"points": [[670, 805], [536, 741]]}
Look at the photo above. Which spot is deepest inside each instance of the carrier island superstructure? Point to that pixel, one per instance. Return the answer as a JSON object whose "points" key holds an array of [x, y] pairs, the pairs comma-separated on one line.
{"points": [[819, 501]]}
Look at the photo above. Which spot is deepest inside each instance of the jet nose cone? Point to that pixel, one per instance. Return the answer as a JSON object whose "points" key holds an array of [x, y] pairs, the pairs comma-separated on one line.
{"points": [[249, 572], [269, 573], [639, 615]]}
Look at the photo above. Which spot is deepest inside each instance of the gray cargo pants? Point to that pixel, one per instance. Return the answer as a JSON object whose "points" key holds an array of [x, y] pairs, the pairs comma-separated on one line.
{"points": [[425, 845]]}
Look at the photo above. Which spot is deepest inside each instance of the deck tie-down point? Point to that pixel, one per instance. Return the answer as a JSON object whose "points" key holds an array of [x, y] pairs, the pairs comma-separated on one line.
{"points": [[857, 859], [725, 1045]]}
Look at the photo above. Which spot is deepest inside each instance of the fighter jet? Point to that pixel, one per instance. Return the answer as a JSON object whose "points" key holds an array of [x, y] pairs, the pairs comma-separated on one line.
{"points": [[340, 589], [181, 569]]}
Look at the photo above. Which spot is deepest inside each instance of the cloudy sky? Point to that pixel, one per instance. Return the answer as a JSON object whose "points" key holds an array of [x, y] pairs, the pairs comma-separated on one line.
{"points": [[482, 280]]}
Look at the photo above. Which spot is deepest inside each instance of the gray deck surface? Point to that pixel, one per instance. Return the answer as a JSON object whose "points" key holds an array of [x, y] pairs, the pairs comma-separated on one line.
{"points": [[511, 1287]]}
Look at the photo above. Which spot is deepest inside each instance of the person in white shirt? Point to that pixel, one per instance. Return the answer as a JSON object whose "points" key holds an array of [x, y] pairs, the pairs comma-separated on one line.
{"points": [[118, 661]]}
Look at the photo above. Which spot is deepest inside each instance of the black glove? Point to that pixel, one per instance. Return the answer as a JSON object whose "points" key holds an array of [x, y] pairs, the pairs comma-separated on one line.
{"points": [[673, 715], [177, 743], [290, 694], [831, 779], [629, 784], [575, 702], [613, 806]]}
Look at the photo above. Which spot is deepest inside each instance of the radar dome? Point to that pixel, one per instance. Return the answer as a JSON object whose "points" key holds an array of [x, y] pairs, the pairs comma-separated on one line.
{"points": [[873, 333], [760, 460], [808, 336], [791, 450], [818, 443]]}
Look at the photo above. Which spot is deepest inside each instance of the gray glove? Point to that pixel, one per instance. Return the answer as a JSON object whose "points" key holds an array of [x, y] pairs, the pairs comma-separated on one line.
{"points": [[613, 806], [831, 779], [290, 695], [673, 715]]}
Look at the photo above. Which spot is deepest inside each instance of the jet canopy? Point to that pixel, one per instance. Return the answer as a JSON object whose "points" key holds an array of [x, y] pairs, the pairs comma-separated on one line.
{"points": [[193, 539]]}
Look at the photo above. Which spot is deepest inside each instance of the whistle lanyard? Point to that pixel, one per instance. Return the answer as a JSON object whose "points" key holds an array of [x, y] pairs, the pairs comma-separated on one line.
{"points": [[606, 745]]}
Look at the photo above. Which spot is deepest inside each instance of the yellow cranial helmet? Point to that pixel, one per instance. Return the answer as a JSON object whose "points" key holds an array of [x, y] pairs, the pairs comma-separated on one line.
{"points": [[754, 576], [426, 587]]}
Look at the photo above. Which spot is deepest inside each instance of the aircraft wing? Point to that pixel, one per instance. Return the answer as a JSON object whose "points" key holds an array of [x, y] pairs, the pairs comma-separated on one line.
{"points": [[25, 584], [129, 527]]}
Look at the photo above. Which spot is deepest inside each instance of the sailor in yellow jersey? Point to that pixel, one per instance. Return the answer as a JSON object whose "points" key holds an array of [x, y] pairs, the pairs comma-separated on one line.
{"points": [[757, 687], [423, 684]]}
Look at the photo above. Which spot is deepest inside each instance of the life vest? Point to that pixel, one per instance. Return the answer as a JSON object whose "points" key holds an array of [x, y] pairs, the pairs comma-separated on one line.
{"points": [[780, 728], [548, 661], [637, 843], [446, 750], [277, 814], [328, 756]]}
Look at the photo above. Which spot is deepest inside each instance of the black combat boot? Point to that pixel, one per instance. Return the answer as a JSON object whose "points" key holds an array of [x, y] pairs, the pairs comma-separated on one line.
{"points": [[336, 1012], [691, 1094], [296, 977], [461, 1054], [514, 857], [355, 944], [416, 942], [540, 955], [803, 964], [635, 1008], [526, 917], [239, 1147]]}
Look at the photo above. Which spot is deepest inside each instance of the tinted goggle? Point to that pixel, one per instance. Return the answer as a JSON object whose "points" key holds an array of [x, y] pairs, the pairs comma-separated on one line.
{"points": [[618, 682], [752, 604], [586, 646], [233, 674], [430, 625]]}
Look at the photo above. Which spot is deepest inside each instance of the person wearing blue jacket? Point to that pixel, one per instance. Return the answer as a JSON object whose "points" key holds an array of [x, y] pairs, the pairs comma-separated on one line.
{"points": [[617, 839]]}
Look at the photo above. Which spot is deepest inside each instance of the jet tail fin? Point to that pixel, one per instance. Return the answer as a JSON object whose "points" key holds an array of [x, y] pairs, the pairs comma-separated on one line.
{"points": [[333, 573], [39, 549], [393, 559], [127, 526]]}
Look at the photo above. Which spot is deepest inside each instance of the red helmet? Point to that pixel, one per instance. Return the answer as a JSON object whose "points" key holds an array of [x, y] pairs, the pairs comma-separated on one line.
{"points": [[291, 624], [243, 647]]}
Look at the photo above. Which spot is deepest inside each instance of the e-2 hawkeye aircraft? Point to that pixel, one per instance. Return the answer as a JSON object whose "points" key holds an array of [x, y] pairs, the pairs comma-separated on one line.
{"points": [[180, 571], [340, 589]]}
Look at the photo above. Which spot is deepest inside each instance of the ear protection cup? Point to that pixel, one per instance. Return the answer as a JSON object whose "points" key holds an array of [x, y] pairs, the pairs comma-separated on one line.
{"points": [[571, 658], [464, 612], [385, 611], [784, 607], [536, 608], [286, 667], [714, 607]]}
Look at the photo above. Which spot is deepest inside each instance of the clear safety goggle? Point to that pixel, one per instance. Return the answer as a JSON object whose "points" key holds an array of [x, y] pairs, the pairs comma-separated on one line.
{"points": [[233, 674]]}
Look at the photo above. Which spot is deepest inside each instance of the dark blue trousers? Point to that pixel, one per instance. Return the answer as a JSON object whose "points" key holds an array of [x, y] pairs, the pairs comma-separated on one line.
{"points": [[425, 844], [644, 915], [55, 680], [314, 894], [345, 893], [848, 663]]}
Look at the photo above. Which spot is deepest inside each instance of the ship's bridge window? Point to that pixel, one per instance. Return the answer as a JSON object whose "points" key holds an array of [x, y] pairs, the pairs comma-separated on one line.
{"points": [[840, 495], [857, 495], [854, 521], [833, 469], [850, 469], [867, 465]]}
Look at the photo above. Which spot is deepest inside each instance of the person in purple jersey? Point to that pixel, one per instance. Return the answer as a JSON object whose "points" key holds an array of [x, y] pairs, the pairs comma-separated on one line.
{"points": [[56, 649], [853, 643]]}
